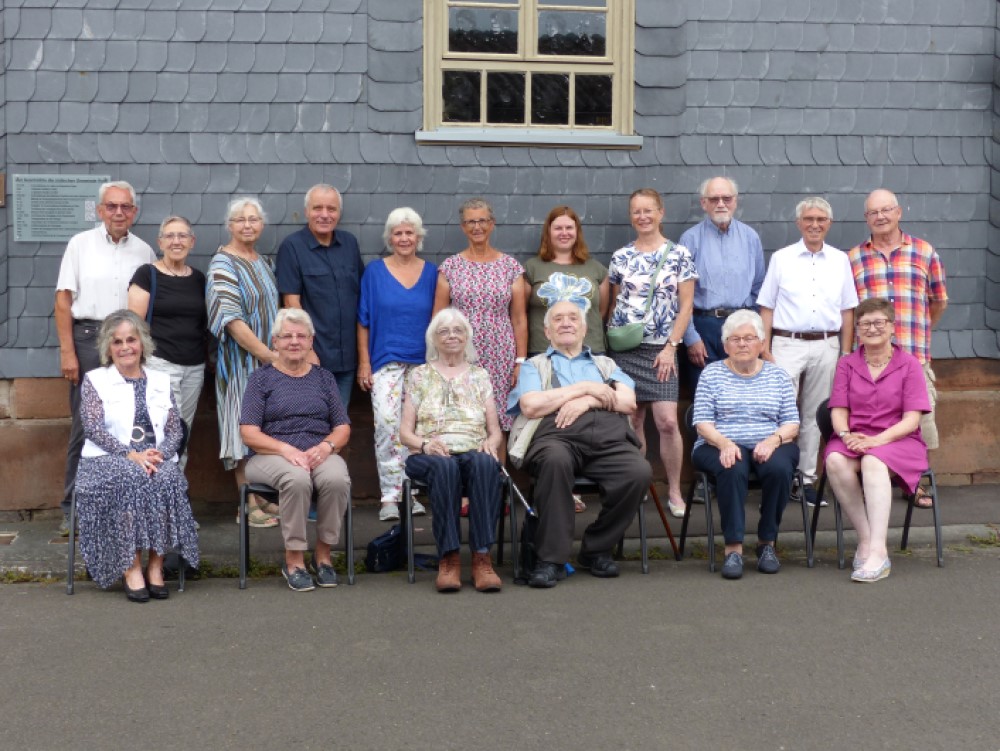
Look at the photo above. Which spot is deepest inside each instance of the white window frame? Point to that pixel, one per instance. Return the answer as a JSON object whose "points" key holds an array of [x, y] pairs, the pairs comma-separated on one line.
{"points": [[619, 62]]}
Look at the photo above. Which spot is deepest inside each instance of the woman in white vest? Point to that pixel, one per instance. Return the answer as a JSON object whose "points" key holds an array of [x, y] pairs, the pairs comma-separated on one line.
{"points": [[131, 497]]}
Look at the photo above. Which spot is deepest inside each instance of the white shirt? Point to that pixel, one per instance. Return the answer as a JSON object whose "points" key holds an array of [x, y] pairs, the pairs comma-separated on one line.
{"points": [[808, 291], [97, 271]]}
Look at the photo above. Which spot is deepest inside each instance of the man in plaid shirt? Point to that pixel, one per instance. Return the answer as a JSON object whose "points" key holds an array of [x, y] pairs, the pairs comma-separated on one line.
{"points": [[908, 272]]}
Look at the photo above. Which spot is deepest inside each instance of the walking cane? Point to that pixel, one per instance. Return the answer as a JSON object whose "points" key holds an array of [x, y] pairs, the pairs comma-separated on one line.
{"points": [[663, 518]]}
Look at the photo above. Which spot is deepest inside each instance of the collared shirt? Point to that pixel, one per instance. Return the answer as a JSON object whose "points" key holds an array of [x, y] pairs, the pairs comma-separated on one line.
{"points": [[97, 270], [730, 267], [808, 291], [568, 370], [911, 277], [328, 280]]}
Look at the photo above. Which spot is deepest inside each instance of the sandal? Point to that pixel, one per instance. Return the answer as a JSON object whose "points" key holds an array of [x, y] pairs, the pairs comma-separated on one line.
{"points": [[923, 499], [260, 519], [578, 504], [272, 509]]}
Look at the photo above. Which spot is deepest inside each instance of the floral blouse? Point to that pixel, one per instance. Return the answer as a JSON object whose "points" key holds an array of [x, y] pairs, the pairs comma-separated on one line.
{"points": [[631, 270], [453, 410]]}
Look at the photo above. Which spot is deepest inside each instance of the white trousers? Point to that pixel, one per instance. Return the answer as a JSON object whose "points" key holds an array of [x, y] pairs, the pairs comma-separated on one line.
{"points": [[387, 406]]}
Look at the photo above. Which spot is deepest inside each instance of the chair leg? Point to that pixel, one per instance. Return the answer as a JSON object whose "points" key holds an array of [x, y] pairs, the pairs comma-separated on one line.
{"points": [[805, 519], [687, 518], [820, 491], [71, 550], [709, 524], [643, 546], [181, 566], [663, 518], [514, 553], [408, 519], [911, 503], [349, 541], [244, 536], [935, 509], [501, 523], [839, 517]]}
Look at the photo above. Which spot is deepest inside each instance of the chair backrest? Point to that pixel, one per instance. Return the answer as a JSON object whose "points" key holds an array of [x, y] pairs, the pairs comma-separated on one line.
{"points": [[689, 421], [823, 420]]}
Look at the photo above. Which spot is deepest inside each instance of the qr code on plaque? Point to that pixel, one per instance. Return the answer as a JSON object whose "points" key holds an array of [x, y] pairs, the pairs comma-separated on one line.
{"points": [[90, 211]]}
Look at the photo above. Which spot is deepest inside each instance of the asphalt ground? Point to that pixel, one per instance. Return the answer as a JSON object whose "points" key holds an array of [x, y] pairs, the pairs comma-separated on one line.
{"points": [[677, 659]]}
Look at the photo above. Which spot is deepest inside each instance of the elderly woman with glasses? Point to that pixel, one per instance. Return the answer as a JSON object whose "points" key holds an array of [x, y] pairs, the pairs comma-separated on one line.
{"points": [[451, 428], [170, 295], [242, 297], [295, 425], [879, 395], [747, 421]]}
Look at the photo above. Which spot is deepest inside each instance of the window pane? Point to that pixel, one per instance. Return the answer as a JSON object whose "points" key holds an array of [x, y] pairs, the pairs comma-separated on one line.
{"points": [[578, 3], [460, 91], [482, 30], [550, 99], [505, 97], [593, 100], [572, 33]]}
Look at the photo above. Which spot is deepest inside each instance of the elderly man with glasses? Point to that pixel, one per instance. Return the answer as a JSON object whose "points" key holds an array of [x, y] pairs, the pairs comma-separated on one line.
{"points": [[807, 305], [729, 258], [93, 282], [908, 272]]}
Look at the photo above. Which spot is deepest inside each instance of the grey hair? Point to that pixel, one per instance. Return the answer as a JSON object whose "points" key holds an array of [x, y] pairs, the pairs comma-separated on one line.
{"points": [[107, 333], [175, 218], [241, 202], [292, 315], [320, 187], [444, 317], [404, 215], [547, 318], [742, 318], [703, 189], [121, 185], [476, 203], [813, 202]]}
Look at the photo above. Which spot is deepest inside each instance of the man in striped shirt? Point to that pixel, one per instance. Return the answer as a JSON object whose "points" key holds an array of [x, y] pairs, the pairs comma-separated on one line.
{"points": [[908, 272]]}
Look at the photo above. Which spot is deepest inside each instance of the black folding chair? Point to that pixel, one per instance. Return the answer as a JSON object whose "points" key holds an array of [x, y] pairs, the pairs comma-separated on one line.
{"points": [[825, 423], [706, 482], [270, 494]]}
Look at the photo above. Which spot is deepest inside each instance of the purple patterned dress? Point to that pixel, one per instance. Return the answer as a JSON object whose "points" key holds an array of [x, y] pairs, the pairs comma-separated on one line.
{"points": [[483, 291]]}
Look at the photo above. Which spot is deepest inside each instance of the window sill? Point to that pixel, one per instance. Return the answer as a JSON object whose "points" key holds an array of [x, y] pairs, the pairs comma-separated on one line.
{"points": [[574, 139]]}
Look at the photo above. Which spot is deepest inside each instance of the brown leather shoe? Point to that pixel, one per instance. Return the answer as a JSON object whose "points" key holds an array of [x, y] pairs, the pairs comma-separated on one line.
{"points": [[449, 578], [484, 578]]}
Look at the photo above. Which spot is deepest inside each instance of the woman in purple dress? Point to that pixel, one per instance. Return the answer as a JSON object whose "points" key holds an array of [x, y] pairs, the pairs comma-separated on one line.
{"points": [[878, 397]]}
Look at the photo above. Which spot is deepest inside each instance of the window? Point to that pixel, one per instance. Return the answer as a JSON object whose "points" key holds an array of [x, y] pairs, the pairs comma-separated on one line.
{"points": [[532, 72]]}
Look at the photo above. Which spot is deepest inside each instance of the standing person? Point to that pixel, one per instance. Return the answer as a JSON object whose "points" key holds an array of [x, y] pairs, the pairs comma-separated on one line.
{"points": [[397, 296], [653, 266], [488, 287], [807, 306], [908, 272], [563, 269], [729, 259], [242, 302], [93, 282], [319, 269], [177, 318]]}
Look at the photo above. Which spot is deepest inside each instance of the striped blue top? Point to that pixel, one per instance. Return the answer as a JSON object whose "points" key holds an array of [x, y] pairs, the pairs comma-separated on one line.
{"points": [[744, 409]]}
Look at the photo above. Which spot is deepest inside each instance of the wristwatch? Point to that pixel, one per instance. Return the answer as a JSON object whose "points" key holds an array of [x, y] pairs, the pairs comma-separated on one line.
{"points": [[676, 344], [331, 444], [842, 433]]}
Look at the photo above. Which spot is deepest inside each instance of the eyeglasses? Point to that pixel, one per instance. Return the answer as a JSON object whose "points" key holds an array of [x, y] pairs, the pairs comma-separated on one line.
{"points": [[748, 340], [292, 337], [445, 331], [125, 208], [821, 220], [876, 323], [252, 220], [476, 222], [720, 199], [887, 211], [171, 236], [645, 212]]}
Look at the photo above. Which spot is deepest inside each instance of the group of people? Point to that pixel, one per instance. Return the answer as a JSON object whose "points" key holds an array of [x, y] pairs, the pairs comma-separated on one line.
{"points": [[565, 354]]}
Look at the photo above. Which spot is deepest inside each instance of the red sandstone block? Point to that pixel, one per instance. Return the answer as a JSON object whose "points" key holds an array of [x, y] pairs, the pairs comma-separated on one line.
{"points": [[39, 398]]}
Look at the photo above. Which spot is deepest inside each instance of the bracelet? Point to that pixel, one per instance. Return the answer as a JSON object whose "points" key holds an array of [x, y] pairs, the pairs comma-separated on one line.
{"points": [[332, 445]]}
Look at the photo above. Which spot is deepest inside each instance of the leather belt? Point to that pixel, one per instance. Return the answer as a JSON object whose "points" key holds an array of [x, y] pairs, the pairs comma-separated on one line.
{"points": [[716, 312], [808, 336], [86, 322]]}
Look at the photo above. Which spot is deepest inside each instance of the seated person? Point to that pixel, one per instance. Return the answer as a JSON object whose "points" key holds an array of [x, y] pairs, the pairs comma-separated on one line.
{"points": [[578, 406], [130, 494], [451, 428], [879, 395], [295, 426], [745, 415]]}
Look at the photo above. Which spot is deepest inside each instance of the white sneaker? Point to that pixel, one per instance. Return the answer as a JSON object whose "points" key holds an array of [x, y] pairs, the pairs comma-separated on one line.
{"points": [[389, 513], [418, 508]]}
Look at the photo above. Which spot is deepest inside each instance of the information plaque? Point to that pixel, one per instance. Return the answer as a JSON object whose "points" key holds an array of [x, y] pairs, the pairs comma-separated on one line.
{"points": [[53, 208]]}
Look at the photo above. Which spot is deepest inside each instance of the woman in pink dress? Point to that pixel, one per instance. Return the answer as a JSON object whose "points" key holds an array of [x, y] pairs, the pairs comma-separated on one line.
{"points": [[488, 287], [878, 397]]}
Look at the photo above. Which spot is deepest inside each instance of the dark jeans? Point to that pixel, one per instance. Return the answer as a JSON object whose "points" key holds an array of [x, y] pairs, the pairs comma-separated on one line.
{"points": [[474, 474], [345, 384], [85, 343], [601, 446], [731, 486], [709, 328]]}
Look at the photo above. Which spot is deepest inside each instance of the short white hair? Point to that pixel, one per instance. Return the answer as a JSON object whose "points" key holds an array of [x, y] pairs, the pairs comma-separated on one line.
{"points": [[703, 189], [741, 318], [404, 215], [445, 317], [547, 318], [813, 202], [121, 185], [292, 315], [240, 203], [322, 187]]}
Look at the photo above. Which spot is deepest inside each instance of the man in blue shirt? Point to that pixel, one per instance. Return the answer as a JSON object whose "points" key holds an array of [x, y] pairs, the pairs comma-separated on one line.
{"points": [[319, 270], [730, 261], [581, 402]]}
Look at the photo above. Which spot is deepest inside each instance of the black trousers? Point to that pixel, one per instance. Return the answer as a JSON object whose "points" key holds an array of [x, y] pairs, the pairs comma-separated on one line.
{"points": [[600, 446], [85, 343]]}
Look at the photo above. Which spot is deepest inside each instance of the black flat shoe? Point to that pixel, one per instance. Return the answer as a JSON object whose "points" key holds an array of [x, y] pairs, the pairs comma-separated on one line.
{"points": [[135, 595], [158, 591], [601, 565]]}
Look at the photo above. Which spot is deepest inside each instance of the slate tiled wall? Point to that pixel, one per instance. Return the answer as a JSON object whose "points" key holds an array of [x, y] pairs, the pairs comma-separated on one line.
{"points": [[194, 101]]}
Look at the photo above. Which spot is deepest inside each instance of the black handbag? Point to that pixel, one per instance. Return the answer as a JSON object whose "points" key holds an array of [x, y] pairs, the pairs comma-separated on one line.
{"points": [[387, 551]]}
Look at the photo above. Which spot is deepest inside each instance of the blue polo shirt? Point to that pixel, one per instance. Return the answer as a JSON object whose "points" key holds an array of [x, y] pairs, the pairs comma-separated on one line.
{"points": [[328, 280], [567, 370]]}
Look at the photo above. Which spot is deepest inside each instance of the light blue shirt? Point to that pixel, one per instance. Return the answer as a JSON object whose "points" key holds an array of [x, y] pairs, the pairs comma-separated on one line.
{"points": [[567, 370], [730, 267]]}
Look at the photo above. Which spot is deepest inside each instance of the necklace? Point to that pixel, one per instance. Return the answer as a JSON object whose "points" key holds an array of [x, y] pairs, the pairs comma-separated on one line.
{"points": [[878, 363], [168, 272]]}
